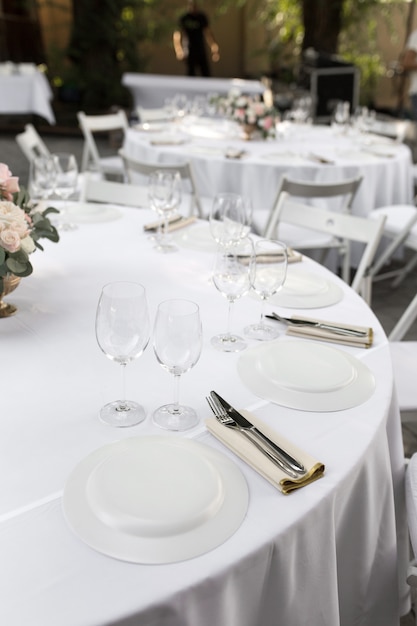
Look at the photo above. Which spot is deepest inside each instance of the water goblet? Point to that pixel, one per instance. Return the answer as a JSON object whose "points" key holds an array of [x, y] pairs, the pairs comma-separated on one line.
{"points": [[165, 197], [228, 218], [122, 332], [66, 179], [267, 278], [232, 277], [177, 344], [42, 172]]}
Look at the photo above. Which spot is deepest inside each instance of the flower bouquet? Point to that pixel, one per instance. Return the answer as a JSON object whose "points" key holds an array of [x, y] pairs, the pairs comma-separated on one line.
{"points": [[250, 112], [22, 224]]}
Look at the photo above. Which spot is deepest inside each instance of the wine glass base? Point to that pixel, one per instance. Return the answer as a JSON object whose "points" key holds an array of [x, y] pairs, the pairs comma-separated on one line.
{"points": [[261, 332], [228, 343], [122, 414], [173, 417]]}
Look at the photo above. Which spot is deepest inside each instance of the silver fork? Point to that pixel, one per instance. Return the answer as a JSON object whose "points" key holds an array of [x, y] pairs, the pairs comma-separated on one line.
{"points": [[339, 330], [224, 418]]}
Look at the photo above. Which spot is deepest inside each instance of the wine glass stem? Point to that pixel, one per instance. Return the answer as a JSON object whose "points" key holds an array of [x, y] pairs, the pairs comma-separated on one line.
{"points": [[263, 300], [166, 223], [229, 317], [122, 404], [176, 393]]}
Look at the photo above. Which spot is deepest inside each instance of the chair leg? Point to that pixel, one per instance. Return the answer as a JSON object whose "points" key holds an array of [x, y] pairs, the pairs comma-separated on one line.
{"points": [[407, 269]]}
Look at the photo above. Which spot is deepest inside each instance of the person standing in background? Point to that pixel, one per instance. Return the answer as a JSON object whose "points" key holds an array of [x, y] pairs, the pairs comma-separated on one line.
{"points": [[409, 65], [190, 41]]}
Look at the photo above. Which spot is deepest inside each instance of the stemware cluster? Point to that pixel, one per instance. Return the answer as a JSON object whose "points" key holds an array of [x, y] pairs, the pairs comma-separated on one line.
{"points": [[123, 333], [241, 265]]}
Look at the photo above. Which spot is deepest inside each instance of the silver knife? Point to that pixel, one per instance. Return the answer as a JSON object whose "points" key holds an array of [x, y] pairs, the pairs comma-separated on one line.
{"points": [[338, 330], [244, 423]]}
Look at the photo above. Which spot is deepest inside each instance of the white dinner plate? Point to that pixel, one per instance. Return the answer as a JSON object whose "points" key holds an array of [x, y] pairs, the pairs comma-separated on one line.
{"points": [[155, 499], [285, 157], [305, 375], [304, 290], [87, 212], [196, 237]]}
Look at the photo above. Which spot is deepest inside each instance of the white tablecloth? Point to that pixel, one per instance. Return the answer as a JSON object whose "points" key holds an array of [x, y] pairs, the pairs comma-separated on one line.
{"points": [[151, 90], [386, 167], [326, 554], [26, 93]]}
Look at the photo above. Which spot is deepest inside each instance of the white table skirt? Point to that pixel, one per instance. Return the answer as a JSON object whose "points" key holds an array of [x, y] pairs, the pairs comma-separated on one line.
{"points": [[386, 180], [327, 554], [26, 93], [151, 90]]}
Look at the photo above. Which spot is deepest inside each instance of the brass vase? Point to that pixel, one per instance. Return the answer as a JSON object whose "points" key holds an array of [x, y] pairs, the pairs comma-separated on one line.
{"points": [[10, 283], [248, 130]]}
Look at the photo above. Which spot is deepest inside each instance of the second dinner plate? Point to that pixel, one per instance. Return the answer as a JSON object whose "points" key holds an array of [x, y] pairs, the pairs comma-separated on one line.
{"points": [[306, 375], [305, 290]]}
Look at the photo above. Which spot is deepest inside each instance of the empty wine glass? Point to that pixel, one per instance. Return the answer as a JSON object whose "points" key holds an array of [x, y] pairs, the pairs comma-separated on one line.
{"points": [[228, 218], [267, 278], [177, 344], [42, 172], [66, 180], [165, 196], [232, 277], [122, 332]]}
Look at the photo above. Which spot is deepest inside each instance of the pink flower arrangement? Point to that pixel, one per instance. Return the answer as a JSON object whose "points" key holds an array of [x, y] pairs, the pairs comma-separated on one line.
{"points": [[248, 110], [21, 226]]}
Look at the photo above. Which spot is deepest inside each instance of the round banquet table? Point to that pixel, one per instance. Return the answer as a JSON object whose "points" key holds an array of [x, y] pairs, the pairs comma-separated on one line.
{"points": [[332, 553], [26, 92], [386, 166]]}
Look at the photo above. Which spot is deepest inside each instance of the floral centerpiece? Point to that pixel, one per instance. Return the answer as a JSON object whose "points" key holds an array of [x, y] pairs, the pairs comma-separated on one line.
{"points": [[249, 111], [22, 224]]}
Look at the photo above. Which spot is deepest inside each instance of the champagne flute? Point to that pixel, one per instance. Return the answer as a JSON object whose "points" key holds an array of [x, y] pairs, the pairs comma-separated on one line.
{"points": [[66, 180], [267, 278], [228, 218], [165, 197], [232, 277], [122, 332], [177, 346]]}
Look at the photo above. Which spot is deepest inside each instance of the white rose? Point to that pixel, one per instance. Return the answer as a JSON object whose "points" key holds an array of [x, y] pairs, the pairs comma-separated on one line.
{"points": [[28, 245]]}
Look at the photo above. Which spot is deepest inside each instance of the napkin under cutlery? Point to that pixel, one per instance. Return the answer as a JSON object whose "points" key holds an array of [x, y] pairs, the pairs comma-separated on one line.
{"points": [[174, 223], [313, 332], [320, 159], [292, 257], [243, 448]]}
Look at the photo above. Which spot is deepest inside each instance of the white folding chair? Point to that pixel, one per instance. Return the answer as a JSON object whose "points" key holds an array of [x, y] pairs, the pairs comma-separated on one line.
{"points": [[401, 229], [31, 143], [139, 170], [404, 360], [344, 226], [90, 126], [113, 192], [300, 237]]}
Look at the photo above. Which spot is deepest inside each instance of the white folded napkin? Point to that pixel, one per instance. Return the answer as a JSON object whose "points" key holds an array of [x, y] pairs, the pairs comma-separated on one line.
{"points": [[292, 257], [311, 332], [247, 451], [174, 223]]}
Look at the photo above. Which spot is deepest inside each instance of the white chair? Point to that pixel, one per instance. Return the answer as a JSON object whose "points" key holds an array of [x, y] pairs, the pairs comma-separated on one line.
{"points": [[404, 360], [31, 143], [300, 237], [411, 508], [139, 170], [344, 226], [113, 192], [401, 229], [91, 125]]}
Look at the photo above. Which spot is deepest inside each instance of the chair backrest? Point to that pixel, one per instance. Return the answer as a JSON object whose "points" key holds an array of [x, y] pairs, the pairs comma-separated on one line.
{"points": [[113, 192], [344, 226], [91, 124], [305, 189], [135, 166], [31, 143]]}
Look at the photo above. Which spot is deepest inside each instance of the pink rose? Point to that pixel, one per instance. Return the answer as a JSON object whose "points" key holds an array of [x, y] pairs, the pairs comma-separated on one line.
{"points": [[10, 240], [8, 184]]}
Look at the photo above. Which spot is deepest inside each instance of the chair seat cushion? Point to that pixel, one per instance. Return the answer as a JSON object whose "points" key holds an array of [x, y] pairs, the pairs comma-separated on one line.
{"points": [[397, 217]]}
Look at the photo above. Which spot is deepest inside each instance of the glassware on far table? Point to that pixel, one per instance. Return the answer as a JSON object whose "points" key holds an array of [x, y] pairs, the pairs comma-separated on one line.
{"points": [[122, 332], [42, 173], [229, 218], [267, 278], [232, 277], [177, 344], [165, 196]]}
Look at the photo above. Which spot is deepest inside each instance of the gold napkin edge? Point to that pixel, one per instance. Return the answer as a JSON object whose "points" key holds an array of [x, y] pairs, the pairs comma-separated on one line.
{"points": [[329, 337]]}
